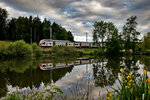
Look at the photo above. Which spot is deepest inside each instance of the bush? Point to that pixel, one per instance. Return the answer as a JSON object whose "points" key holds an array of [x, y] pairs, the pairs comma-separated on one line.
{"points": [[36, 49], [4, 48], [19, 49]]}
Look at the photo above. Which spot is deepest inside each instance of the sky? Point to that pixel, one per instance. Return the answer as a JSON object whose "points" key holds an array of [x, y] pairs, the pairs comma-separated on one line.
{"points": [[78, 16]]}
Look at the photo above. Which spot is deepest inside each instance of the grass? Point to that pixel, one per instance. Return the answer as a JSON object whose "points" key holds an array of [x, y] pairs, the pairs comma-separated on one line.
{"points": [[131, 87], [49, 92], [87, 51]]}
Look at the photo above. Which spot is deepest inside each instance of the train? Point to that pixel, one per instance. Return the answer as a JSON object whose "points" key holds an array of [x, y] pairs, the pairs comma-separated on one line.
{"points": [[49, 43]]}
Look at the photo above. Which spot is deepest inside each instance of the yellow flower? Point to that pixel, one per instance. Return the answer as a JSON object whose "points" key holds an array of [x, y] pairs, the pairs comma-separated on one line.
{"points": [[109, 90], [127, 86], [109, 94], [144, 71], [108, 98], [130, 74], [121, 70], [131, 81], [148, 79], [128, 77]]}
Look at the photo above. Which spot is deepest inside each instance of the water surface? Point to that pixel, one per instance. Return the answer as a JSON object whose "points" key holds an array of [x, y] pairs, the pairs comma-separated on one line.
{"points": [[75, 76]]}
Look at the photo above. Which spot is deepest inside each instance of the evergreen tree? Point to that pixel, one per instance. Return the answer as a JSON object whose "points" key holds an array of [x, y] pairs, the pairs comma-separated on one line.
{"points": [[3, 16], [130, 33]]}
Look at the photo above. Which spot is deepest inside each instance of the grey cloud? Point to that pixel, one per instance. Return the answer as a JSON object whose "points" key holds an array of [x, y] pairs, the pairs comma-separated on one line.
{"points": [[79, 15]]}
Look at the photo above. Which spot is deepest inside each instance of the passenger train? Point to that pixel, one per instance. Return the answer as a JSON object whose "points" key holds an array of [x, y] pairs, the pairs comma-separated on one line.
{"points": [[49, 43]]}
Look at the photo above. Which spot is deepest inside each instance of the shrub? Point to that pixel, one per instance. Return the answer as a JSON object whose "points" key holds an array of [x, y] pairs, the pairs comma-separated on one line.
{"points": [[36, 49], [19, 49], [4, 48]]}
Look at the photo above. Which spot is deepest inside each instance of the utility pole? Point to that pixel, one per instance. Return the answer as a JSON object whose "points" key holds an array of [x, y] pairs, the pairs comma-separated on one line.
{"points": [[50, 32], [86, 36]]}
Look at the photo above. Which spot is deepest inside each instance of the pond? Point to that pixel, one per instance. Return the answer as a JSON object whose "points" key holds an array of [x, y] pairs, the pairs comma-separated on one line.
{"points": [[74, 76]]}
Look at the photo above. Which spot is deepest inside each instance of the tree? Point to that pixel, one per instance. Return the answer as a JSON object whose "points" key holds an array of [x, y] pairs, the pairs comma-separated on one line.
{"points": [[99, 32], [30, 29], [130, 33], [146, 42], [113, 43], [3, 16], [70, 36], [108, 33], [61, 33], [46, 29]]}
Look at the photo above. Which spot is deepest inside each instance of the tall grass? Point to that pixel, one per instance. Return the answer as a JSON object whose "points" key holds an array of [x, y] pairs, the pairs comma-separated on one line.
{"points": [[132, 88], [4, 48], [64, 51], [36, 50]]}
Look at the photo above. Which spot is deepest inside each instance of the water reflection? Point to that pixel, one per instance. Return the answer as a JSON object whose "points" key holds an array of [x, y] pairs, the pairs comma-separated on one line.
{"points": [[26, 73], [64, 72], [105, 72]]}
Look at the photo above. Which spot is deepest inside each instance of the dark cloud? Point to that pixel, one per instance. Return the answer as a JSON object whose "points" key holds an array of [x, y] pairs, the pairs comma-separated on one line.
{"points": [[79, 15]]}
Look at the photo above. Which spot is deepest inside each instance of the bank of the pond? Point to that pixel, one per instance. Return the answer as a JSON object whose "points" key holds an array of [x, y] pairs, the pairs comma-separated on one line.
{"points": [[19, 48]]}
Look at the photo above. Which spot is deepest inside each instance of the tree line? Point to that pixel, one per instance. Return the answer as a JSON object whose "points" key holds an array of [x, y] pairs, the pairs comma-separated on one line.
{"points": [[112, 41], [30, 29]]}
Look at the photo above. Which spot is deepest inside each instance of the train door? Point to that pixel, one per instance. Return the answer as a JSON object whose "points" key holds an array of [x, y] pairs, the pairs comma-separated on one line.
{"points": [[66, 44], [54, 43], [89, 45]]}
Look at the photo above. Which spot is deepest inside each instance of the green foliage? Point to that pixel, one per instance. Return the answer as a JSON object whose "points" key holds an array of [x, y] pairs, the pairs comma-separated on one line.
{"points": [[108, 33], [19, 49], [4, 49], [86, 51], [113, 46], [99, 32], [129, 34], [36, 50], [30, 29], [132, 88], [146, 43], [3, 16], [64, 51], [60, 33]]}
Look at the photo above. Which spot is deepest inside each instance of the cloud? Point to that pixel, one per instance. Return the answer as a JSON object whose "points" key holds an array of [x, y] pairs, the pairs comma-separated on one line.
{"points": [[79, 15]]}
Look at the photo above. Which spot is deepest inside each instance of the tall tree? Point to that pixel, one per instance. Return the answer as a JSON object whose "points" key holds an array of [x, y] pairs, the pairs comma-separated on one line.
{"points": [[37, 32], [70, 36], [11, 29], [3, 16], [130, 33], [46, 29], [99, 32], [113, 43]]}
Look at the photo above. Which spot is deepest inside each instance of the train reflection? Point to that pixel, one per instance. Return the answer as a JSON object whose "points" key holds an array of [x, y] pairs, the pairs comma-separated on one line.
{"points": [[50, 65]]}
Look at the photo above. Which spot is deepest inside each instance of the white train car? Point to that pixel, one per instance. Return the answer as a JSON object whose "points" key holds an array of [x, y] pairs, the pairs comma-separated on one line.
{"points": [[49, 43]]}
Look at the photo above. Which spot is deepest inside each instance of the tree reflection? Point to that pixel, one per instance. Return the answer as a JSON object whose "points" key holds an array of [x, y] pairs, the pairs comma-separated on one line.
{"points": [[105, 71], [26, 72], [146, 61]]}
